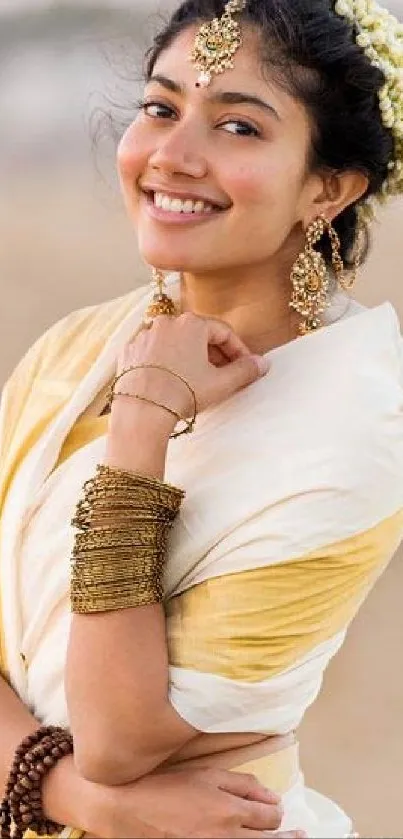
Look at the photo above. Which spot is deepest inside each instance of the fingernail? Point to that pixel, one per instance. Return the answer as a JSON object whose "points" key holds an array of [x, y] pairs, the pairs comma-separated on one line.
{"points": [[275, 798], [262, 363], [274, 794]]}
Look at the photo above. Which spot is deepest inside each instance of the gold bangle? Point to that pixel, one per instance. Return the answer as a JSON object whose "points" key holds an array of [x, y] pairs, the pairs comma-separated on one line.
{"points": [[190, 424], [110, 480], [119, 551]]}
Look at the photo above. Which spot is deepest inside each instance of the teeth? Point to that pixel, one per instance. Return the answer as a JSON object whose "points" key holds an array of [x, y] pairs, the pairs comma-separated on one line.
{"points": [[176, 205]]}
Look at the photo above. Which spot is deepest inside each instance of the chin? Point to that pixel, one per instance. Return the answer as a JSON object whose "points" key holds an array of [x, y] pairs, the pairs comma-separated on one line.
{"points": [[185, 251], [174, 261]]}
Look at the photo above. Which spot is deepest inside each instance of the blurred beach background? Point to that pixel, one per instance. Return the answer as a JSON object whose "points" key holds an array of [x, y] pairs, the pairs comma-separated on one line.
{"points": [[66, 243]]}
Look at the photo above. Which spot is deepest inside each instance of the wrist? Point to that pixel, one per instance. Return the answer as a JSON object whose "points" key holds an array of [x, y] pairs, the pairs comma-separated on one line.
{"points": [[153, 383], [74, 802], [67, 798], [92, 809], [134, 420], [138, 437]]}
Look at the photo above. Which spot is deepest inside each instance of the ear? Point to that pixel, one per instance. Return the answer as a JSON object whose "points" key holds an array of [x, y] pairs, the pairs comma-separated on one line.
{"points": [[338, 191]]}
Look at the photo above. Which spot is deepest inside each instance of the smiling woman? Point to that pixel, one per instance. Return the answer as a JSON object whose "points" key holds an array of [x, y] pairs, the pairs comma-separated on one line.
{"points": [[194, 135], [266, 132]]}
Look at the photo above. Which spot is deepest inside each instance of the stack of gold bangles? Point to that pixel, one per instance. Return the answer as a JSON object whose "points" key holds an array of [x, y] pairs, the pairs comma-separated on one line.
{"points": [[118, 559]]}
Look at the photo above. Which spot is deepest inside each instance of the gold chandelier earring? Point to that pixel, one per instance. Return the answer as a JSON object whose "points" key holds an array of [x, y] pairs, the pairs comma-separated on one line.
{"points": [[310, 277], [161, 303]]}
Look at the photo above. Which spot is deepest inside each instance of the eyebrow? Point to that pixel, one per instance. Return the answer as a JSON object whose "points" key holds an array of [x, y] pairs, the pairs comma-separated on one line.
{"points": [[225, 97]]}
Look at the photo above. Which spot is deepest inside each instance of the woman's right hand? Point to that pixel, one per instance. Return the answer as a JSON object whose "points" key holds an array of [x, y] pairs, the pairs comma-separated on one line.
{"points": [[206, 803]]}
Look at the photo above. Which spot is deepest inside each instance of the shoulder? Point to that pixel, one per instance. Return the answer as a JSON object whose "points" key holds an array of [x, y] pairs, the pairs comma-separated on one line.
{"points": [[85, 327], [91, 325], [56, 362]]}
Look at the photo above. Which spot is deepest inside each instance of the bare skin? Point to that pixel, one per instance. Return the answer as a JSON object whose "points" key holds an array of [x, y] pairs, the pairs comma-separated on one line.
{"points": [[197, 151], [248, 162], [135, 730], [191, 803]]}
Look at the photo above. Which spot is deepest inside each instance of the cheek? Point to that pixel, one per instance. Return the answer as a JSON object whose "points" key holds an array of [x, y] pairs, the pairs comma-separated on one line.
{"points": [[247, 183], [131, 154], [267, 184], [266, 193]]}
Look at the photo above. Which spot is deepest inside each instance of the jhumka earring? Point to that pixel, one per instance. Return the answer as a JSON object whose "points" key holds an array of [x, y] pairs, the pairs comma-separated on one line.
{"points": [[310, 278], [161, 303], [217, 42]]}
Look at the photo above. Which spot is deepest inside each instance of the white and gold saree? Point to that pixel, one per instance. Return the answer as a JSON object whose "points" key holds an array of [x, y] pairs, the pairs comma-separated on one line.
{"points": [[293, 508]]}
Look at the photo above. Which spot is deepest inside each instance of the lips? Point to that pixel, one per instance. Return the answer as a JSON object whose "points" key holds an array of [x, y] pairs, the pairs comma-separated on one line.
{"points": [[180, 195]]}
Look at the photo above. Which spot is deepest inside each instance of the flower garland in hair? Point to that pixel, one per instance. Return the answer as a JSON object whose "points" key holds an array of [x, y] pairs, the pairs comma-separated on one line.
{"points": [[381, 37]]}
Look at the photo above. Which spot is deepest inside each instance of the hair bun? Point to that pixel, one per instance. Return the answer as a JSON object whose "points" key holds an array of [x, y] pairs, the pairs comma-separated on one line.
{"points": [[381, 37]]}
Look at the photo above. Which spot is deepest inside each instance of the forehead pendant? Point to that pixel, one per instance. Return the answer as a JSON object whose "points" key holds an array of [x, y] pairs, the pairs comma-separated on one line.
{"points": [[217, 42]]}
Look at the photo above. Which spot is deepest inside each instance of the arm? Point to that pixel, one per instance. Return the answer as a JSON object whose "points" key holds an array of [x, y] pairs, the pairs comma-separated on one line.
{"points": [[170, 803], [117, 663]]}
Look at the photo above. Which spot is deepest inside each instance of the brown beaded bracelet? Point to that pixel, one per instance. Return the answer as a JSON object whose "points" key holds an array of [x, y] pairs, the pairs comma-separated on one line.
{"points": [[21, 808]]}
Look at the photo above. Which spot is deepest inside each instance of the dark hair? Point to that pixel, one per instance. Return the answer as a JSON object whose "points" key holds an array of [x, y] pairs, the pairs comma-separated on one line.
{"points": [[314, 55]]}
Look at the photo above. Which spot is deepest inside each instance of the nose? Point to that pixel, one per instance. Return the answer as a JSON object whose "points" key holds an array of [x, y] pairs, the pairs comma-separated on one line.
{"points": [[180, 153]]}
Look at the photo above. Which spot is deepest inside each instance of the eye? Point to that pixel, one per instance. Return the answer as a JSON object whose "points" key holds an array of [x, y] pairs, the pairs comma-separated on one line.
{"points": [[156, 110], [241, 128]]}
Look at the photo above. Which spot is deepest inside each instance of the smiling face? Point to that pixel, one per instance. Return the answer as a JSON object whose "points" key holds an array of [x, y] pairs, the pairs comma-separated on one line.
{"points": [[216, 178]]}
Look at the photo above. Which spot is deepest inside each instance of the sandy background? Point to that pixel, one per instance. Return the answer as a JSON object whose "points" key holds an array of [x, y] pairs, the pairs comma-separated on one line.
{"points": [[64, 243]]}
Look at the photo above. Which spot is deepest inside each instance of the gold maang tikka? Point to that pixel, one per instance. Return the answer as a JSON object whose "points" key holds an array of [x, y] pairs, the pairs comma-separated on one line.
{"points": [[217, 42]]}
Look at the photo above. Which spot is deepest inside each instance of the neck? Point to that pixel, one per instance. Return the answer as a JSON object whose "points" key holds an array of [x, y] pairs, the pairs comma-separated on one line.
{"points": [[253, 302]]}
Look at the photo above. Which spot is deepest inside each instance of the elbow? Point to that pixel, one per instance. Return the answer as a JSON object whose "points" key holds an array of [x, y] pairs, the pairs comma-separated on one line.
{"points": [[113, 755], [100, 770], [102, 763], [100, 767]]}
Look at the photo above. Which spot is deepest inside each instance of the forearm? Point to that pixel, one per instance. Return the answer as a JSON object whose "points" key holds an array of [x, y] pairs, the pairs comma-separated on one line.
{"points": [[63, 790], [117, 663], [138, 438]]}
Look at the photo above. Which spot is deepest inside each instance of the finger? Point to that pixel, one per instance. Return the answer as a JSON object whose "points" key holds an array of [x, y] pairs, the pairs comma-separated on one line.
{"points": [[145, 326], [241, 373], [290, 834], [262, 816], [245, 786], [221, 335], [217, 357]]}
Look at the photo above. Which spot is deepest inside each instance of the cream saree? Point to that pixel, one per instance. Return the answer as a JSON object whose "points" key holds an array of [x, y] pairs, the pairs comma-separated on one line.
{"points": [[294, 507]]}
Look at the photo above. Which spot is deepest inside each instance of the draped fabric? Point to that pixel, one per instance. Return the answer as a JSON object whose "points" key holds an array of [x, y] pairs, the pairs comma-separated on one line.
{"points": [[293, 508]]}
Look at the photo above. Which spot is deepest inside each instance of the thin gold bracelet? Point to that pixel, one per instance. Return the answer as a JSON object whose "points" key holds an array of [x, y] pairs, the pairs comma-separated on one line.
{"points": [[190, 424], [150, 402]]}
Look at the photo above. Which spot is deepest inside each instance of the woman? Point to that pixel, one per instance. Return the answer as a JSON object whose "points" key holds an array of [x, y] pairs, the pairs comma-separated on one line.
{"points": [[256, 162]]}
